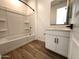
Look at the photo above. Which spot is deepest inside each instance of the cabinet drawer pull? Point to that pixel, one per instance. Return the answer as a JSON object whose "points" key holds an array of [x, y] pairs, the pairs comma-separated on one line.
{"points": [[55, 40]]}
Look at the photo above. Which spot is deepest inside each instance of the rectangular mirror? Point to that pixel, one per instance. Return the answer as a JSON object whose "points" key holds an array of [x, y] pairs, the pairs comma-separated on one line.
{"points": [[59, 12]]}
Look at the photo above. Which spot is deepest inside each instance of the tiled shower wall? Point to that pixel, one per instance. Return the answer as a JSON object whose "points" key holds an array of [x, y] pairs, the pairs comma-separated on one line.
{"points": [[14, 24]]}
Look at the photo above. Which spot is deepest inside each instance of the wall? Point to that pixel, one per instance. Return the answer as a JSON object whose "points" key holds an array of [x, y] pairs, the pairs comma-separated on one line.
{"points": [[43, 20]]}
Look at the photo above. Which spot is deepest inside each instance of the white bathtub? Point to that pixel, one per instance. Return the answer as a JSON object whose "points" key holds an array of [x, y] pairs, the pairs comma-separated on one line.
{"points": [[7, 45]]}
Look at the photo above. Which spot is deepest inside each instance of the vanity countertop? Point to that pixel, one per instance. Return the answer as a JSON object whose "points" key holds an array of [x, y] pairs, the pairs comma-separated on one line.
{"points": [[59, 28]]}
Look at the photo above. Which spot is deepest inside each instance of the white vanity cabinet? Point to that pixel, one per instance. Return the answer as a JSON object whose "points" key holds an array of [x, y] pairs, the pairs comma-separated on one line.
{"points": [[57, 41]]}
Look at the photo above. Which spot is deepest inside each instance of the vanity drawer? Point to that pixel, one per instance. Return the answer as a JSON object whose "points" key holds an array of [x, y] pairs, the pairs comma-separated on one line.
{"points": [[58, 33]]}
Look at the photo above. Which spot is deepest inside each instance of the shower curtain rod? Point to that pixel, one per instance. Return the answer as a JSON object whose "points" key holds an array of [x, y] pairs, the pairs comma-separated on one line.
{"points": [[27, 5]]}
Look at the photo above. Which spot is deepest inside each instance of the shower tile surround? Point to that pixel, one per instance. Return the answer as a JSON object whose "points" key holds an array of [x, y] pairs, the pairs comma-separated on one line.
{"points": [[10, 29]]}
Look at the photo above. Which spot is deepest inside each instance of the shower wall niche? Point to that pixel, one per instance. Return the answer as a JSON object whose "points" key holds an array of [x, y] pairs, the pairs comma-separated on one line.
{"points": [[3, 24]]}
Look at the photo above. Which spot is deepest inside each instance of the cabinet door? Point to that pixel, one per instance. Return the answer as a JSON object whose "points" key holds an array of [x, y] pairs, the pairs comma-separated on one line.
{"points": [[62, 46], [50, 42]]}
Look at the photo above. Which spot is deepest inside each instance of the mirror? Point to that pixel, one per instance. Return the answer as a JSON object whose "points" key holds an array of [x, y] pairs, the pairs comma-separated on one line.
{"points": [[59, 12]]}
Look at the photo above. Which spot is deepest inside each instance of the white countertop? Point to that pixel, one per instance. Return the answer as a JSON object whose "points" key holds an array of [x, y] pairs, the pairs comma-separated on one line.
{"points": [[61, 28]]}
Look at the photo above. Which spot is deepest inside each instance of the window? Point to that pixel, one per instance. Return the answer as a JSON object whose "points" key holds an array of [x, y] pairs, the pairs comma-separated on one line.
{"points": [[61, 15]]}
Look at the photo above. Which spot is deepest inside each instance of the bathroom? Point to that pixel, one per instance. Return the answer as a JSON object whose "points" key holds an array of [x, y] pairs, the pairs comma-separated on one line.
{"points": [[39, 29]]}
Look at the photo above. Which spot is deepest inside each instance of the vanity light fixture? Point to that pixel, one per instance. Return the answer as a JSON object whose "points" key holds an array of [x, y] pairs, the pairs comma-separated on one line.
{"points": [[26, 4]]}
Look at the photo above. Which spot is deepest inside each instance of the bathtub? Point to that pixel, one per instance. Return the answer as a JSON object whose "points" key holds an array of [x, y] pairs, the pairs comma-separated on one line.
{"points": [[7, 45]]}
